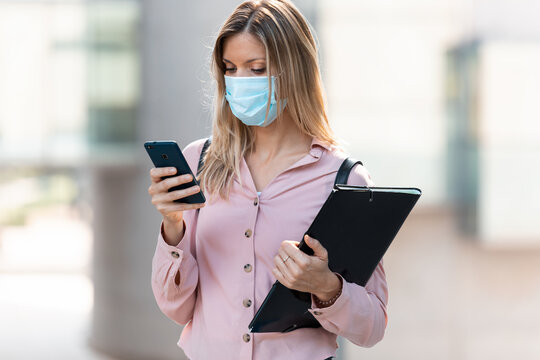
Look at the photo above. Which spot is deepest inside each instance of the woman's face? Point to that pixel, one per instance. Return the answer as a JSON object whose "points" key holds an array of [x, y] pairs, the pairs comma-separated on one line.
{"points": [[244, 55]]}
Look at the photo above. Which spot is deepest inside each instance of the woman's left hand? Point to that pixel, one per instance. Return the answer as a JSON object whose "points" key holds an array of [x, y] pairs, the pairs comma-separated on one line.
{"points": [[300, 271]]}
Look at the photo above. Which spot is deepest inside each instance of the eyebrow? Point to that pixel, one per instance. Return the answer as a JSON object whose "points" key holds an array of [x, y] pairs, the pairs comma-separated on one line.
{"points": [[247, 62]]}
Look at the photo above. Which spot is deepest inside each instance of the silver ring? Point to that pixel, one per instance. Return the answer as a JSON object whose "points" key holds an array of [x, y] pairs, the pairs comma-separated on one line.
{"points": [[287, 258]]}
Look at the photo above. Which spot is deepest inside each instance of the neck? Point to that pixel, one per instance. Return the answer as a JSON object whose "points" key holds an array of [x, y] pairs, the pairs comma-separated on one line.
{"points": [[280, 138]]}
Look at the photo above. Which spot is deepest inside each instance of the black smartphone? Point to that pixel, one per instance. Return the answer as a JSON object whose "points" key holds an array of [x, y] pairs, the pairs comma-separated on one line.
{"points": [[168, 154]]}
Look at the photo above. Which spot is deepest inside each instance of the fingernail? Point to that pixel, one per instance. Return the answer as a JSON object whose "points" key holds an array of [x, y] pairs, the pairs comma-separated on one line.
{"points": [[172, 170]]}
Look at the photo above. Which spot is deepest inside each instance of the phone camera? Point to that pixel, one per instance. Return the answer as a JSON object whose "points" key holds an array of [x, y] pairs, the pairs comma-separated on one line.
{"points": [[164, 156], [150, 146]]}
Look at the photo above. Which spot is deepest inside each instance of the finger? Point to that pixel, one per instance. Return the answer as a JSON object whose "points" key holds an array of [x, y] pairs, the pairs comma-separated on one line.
{"points": [[294, 269], [291, 249], [184, 206], [279, 277], [180, 194], [290, 269], [159, 198], [156, 174], [284, 276], [316, 246], [174, 207], [283, 255], [168, 198], [166, 184], [279, 260], [162, 199], [282, 268]]}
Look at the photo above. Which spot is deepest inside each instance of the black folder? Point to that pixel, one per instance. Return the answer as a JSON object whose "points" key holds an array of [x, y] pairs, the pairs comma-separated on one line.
{"points": [[356, 225]]}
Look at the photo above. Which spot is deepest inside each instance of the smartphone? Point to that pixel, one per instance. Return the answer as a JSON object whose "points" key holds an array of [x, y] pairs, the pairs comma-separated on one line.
{"points": [[168, 154]]}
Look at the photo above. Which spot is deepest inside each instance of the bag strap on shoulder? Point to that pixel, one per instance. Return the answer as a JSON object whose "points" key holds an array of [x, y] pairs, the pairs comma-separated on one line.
{"points": [[344, 170], [201, 159], [203, 151]]}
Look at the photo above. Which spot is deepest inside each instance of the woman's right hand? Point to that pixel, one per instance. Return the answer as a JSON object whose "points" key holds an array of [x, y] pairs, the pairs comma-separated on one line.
{"points": [[163, 200]]}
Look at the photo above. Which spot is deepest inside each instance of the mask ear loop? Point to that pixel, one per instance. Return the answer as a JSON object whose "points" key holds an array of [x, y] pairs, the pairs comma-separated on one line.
{"points": [[279, 102], [270, 83], [269, 99]]}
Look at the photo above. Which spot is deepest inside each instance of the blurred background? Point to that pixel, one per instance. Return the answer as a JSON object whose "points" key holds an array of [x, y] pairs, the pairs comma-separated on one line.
{"points": [[443, 95]]}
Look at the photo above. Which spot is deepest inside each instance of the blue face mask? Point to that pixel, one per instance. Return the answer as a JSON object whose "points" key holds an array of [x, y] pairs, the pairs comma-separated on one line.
{"points": [[248, 99]]}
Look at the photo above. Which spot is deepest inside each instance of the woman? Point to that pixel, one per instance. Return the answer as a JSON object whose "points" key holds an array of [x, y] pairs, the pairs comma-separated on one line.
{"points": [[268, 171]]}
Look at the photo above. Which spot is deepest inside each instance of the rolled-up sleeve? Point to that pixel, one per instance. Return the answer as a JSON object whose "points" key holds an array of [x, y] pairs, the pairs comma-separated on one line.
{"points": [[359, 314]]}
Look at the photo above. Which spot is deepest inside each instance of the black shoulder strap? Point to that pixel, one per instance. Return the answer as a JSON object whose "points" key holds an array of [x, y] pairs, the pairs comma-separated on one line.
{"points": [[201, 159], [344, 170], [203, 151]]}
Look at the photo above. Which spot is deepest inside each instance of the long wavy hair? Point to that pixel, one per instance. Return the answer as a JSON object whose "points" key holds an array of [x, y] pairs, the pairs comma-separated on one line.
{"points": [[292, 54]]}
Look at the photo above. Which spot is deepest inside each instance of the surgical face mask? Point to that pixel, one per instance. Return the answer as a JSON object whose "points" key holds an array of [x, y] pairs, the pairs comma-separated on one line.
{"points": [[248, 99]]}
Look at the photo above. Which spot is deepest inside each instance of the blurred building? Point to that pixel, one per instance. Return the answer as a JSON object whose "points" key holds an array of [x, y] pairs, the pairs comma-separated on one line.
{"points": [[493, 92], [436, 94]]}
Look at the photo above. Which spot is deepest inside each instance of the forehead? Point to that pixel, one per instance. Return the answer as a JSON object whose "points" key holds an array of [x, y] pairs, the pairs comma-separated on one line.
{"points": [[242, 47]]}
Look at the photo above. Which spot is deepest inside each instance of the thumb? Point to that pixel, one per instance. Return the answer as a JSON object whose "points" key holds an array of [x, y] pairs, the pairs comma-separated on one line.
{"points": [[316, 246]]}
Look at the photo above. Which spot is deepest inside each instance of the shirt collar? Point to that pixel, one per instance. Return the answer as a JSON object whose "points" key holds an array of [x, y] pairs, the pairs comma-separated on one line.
{"points": [[317, 147]]}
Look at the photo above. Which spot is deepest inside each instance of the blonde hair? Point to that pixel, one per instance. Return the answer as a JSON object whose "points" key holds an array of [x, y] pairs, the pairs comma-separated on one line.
{"points": [[291, 52]]}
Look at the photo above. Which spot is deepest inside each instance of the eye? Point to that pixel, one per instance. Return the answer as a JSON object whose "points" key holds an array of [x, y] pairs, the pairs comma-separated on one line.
{"points": [[229, 70], [259, 71]]}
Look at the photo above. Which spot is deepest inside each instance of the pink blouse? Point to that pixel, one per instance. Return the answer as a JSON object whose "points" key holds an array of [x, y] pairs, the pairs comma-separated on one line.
{"points": [[225, 260]]}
